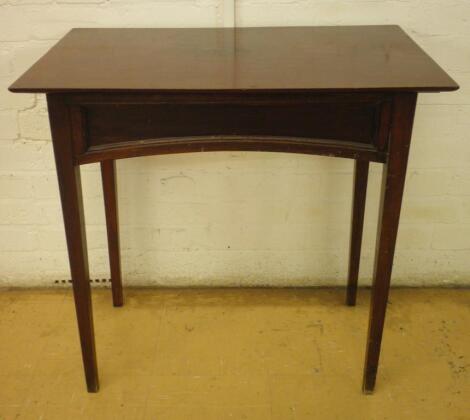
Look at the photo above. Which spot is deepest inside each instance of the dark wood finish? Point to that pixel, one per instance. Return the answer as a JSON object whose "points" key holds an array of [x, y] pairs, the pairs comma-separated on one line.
{"points": [[361, 173], [108, 176], [339, 91], [77, 121], [346, 125], [335, 58], [248, 143], [109, 124], [72, 208], [393, 181], [225, 98]]}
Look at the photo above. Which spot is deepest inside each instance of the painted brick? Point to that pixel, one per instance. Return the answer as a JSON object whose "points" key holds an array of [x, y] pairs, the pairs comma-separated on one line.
{"points": [[27, 2], [431, 210], [13, 101], [410, 237], [465, 208], [460, 182], [19, 239], [9, 125], [5, 64], [451, 237], [51, 238], [14, 212], [427, 182], [235, 218], [81, 1], [16, 185], [33, 122], [20, 156]]}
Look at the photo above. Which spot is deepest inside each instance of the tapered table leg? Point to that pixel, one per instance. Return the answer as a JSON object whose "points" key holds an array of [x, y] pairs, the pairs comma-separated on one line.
{"points": [[393, 182], [72, 208], [361, 172], [108, 176]]}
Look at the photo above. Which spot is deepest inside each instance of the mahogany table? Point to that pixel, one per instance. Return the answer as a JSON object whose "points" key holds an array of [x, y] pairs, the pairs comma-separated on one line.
{"points": [[339, 91]]}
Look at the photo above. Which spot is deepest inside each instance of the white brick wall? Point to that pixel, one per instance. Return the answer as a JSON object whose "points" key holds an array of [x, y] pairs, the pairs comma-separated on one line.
{"points": [[235, 218]]}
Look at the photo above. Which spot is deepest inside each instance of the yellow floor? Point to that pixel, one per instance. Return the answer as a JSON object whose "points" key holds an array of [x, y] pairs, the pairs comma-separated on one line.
{"points": [[235, 354]]}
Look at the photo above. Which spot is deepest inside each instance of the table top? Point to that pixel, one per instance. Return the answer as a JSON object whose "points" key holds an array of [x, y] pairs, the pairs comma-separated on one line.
{"points": [[307, 59]]}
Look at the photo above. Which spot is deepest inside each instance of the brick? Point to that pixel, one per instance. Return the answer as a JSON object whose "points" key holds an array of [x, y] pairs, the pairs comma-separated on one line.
{"points": [[235, 218], [449, 237], [12, 101], [28, 2], [8, 125], [94, 211], [45, 21], [443, 153], [96, 238], [465, 208], [15, 185], [47, 212], [459, 182], [51, 239], [81, 1], [34, 122], [17, 212], [425, 182], [459, 97], [44, 185], [91, 184], [410, 236], [431, 210], [5, 64], [441, 124], [20, 156], [17, 239], [36, 268], [414, 237]]}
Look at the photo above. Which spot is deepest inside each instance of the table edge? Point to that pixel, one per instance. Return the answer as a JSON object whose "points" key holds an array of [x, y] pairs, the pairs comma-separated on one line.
{"points": [[434, 89]]}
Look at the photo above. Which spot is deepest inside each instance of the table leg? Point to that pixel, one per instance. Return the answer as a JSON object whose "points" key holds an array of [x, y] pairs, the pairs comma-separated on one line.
{"points": [[361, 172], [72, 208], [393, 182], [108, 176]]}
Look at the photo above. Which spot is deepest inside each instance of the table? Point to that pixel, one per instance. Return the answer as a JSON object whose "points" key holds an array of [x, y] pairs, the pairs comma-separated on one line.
{"points": [[339, 91]]}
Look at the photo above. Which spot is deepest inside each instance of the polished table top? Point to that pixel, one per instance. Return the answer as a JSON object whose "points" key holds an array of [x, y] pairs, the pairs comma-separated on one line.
{"points": [[306, 59]]}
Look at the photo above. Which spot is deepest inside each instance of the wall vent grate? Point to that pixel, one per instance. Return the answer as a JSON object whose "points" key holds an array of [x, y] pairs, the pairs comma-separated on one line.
{"points": [[92, 281]]}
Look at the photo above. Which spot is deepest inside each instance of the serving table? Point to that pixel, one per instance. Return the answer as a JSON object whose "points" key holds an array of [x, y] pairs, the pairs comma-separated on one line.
{"points": [[346, 91]]}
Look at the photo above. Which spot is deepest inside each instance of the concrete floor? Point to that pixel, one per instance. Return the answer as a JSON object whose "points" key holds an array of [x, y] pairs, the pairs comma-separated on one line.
{"points": [[235, 354]]}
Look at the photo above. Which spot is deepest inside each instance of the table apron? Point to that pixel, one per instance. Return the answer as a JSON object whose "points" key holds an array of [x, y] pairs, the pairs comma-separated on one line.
{"points": [[118, 126]]}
